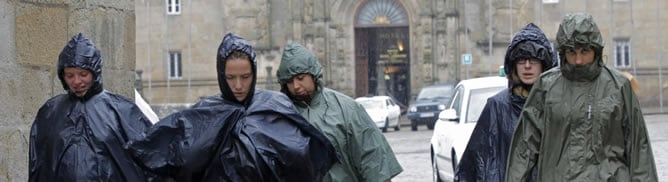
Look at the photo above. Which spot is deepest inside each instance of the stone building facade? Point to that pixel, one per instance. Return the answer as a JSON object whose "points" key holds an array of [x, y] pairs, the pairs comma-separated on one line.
{"points": [[346, 35], [32, 34], [327, 27]]}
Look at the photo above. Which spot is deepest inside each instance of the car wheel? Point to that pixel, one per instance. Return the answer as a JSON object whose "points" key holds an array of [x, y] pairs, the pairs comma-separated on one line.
{"points": [[434, 169], [414, 125], [454, 162], [387, 124], [430, 125], [398, 127]]}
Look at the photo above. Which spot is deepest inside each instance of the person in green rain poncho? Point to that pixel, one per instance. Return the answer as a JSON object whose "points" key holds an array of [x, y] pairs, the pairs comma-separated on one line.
{"points": [[364, 154], [582, 120]]}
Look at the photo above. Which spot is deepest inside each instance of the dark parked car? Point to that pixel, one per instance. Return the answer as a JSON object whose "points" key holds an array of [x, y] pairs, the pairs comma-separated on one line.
{"points": [[429, 103]]}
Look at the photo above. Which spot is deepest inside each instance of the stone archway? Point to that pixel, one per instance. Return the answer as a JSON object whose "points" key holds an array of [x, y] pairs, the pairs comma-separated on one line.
{"points": [[382, 50]]}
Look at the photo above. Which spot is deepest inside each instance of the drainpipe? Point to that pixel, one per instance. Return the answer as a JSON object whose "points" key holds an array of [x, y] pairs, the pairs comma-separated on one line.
{"points": [[327, 59], [489, 29], [433, 43], [148, 51], [660, 55], [510, 27], [190, 52]]}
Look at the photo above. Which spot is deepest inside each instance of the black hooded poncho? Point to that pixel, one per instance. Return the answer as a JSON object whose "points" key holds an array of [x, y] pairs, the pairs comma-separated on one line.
{"points": [[81, 138], [485, 156], [262, 138]]}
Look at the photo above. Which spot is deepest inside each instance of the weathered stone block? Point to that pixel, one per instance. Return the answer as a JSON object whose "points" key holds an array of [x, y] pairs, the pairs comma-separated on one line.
{"points": [[37, 29], [14, 141], [7, 49], [111, 31], [28, 89], [119, 81]]}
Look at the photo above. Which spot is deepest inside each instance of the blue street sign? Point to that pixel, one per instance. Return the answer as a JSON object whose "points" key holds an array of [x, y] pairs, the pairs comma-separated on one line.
{"points": [[467, 59]]}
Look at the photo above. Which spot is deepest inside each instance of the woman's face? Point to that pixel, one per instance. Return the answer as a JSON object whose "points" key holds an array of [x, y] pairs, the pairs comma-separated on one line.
{"points": [[528, 70], [301, 86], [79, 80], [239, 76]]}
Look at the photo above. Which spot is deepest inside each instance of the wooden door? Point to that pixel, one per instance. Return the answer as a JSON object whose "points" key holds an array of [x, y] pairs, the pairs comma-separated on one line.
{"points": [[361, 62]]}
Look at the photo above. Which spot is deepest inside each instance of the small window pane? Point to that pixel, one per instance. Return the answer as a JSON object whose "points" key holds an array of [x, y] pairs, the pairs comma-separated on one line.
{"points": [[626, 55], [622, 53], [175, 65], [619, 56], [173, 7], [178, 64]]}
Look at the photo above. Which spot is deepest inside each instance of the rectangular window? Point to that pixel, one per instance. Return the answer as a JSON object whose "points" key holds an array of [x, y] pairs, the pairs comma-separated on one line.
{"points": [[550, 1], [173, 7], [622, 54], [175, 72]]}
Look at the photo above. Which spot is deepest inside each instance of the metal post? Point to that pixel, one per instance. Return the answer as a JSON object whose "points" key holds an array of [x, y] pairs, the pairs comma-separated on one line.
{"points": [[510, 15], [190, 48], [540, 12], [433, 43], [635, 63], [611, 32], [458, 41], [489, 31], [660, 53], [328, 60], [270, 79], [138, 82], [148, 51], [466, 40], [165, 44]]}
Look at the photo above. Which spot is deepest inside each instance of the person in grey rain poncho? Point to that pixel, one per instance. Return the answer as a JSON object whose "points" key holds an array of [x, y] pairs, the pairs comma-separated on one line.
{"points": [[243, 134], [581, 122], [80, 135], [364, 153], [527, 56]]}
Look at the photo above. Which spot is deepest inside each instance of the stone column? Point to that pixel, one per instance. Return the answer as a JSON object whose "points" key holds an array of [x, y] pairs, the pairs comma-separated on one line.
{"points": [[32, 34]]}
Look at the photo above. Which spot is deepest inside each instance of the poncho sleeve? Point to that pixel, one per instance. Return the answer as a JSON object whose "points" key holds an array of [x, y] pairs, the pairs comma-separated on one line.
{"points": [[638, 147], [524, 147]]}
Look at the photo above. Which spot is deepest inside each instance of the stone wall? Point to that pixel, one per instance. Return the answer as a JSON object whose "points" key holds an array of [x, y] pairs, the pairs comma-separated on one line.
{"points": [[33, 32]]}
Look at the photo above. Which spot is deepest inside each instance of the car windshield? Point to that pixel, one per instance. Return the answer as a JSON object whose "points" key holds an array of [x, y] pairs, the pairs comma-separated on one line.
{"points": [[477, 101], [435, 93], [371, 104]]}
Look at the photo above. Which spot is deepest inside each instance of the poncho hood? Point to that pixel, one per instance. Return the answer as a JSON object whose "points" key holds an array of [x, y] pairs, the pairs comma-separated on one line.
{"points": [[297, 60], [529, 42], [232, 42], [81, 53], [579, 30]]}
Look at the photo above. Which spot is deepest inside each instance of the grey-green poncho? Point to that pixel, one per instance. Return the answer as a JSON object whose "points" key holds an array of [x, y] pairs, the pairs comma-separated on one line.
{"points": [[581, 123], [364, 154]]}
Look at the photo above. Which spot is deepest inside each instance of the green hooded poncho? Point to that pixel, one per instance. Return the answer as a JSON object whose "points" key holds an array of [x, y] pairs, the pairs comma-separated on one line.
{"points": [[581, 123], [364, 154]]}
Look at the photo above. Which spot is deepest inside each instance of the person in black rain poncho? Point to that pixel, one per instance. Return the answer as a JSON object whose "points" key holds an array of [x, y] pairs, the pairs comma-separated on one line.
{"points": [[528, 55], [244, 134], [79, 136]]}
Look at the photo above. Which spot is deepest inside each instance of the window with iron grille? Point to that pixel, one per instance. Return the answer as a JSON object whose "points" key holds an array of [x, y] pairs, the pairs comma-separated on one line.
{"points": [[175, 63], [173, 7], [622, 53]]}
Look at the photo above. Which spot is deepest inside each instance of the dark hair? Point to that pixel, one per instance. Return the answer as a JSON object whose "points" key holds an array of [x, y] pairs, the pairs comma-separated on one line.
{"points": [[237, 54]]}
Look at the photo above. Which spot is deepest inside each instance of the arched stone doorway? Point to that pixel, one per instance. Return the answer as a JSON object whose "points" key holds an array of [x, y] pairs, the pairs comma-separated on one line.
{"points": [[382, 50]]}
